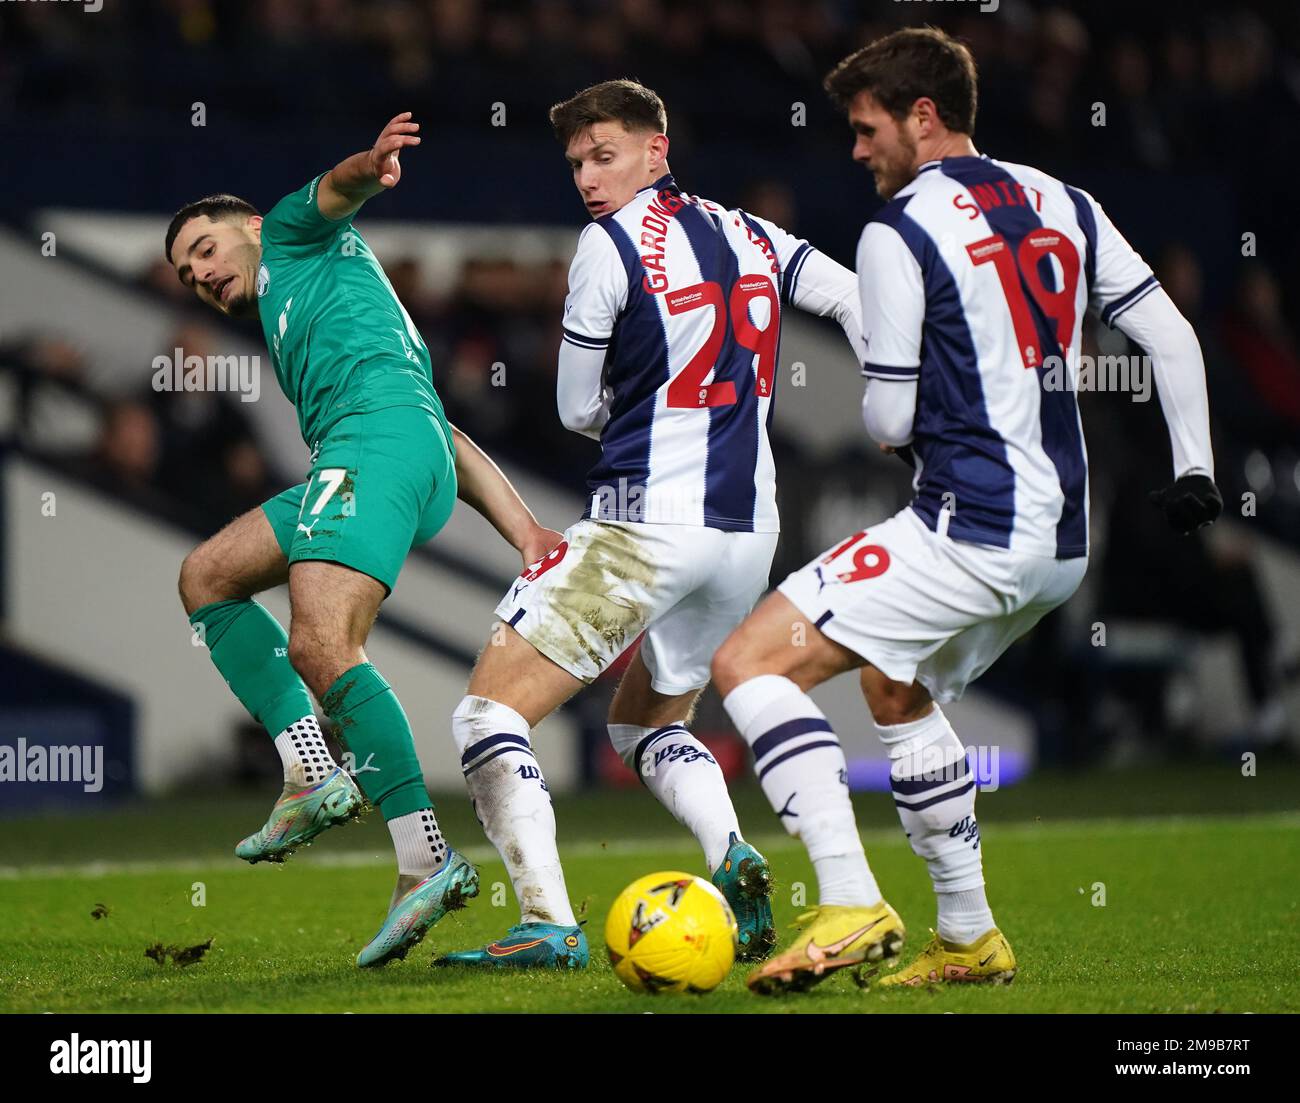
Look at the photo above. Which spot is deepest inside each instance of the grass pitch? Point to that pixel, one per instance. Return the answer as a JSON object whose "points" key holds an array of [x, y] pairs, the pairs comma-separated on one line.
{"points": [[1201, 912]]}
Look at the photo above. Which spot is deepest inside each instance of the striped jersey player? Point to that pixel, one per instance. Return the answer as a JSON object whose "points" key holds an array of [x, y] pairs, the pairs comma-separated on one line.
{"points": [[994, 266], [975, 278], [672, 327], [695, 293]]}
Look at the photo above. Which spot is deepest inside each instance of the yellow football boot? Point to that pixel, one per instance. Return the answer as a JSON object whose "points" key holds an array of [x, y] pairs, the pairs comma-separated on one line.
{"points": [[834, 936], [986, 961]]}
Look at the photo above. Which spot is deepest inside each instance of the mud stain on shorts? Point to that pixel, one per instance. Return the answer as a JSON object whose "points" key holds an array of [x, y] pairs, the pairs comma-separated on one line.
{"points": [[584, 620]]}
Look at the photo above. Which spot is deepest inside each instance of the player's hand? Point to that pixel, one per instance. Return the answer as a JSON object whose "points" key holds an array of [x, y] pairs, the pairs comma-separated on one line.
{"points": [[1191, 503], [539, 542], [399, 133]]}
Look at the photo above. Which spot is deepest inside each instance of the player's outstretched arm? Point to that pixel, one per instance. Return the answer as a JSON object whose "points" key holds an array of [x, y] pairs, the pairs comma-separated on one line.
{"points": [[1155, 323], [351, 182], [1125, 294], [826, 288], [483, 485]]}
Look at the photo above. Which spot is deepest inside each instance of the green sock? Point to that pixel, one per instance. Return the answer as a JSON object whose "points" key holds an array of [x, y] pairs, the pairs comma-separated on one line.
{"points": [[251, 651], [374, 728]]}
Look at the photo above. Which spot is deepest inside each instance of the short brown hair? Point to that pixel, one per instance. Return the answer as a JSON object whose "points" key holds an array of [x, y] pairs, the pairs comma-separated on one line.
{"points": [[215, 207], [624, 101], [902, 67]]}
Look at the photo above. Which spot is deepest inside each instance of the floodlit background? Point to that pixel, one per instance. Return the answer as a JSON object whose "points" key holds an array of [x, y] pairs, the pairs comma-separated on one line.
{"points": [[1178, 655]]}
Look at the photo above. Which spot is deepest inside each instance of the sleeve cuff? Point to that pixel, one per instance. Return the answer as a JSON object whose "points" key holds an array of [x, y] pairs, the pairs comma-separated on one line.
{"points": [[792, 270], [583, 341], [889, 371], [1116, 308]]}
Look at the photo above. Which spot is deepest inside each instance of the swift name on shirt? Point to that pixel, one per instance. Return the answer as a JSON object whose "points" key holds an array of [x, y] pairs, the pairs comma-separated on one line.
{"points": [[1000, 193]]}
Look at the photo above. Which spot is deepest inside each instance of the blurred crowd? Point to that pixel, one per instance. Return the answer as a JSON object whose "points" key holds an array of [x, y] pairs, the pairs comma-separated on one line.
{"points": [[1200, 115], [1068, 84], [192, 456]]}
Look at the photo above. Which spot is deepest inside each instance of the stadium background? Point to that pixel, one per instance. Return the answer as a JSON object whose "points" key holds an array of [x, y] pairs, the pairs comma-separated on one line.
{"points": [[107, 482]]}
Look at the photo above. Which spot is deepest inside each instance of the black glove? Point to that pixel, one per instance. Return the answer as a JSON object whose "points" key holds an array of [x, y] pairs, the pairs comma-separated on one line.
{"points": [[1193, 501]]}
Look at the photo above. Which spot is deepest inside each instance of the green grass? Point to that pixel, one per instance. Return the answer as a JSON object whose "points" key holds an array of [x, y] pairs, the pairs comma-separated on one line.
{"points": [[206, 824], [1202, 912]]}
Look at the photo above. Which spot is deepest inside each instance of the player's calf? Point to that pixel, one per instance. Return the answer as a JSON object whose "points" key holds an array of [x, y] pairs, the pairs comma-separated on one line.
{"points": [[684, 777], [250, 650], [512, 802], [934, 792], [762, 670], [801, 769], [333, 609], [687, 780]]}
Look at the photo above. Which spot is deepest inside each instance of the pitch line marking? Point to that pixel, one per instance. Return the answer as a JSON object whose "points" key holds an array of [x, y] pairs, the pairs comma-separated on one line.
{"points": [[877, 838]]}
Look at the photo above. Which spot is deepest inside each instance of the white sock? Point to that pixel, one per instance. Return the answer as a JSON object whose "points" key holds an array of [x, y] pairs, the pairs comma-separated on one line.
{"points": [[303, 753], [512, 803], [934, 792], [801, 768], [419, 843], [678, 769], [964, 916]]}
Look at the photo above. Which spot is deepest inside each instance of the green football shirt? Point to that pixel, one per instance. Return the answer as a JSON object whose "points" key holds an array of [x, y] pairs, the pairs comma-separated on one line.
{"points": [[341, 342]]}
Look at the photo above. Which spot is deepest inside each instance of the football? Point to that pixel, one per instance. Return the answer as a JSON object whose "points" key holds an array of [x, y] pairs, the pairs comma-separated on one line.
{"points": [[671, 932]]}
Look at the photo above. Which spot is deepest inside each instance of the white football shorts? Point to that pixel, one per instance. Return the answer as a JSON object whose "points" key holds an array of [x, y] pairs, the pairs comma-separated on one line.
{"points": [[922, 607], [686, 587]]}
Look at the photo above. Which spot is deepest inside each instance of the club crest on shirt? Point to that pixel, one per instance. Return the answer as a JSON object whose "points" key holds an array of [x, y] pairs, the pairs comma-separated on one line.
{"points": [[263, 280]]}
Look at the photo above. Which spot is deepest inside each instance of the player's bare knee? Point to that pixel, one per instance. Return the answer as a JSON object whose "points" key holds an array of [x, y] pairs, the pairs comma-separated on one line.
{"points": [[318, 659], [302, 651], [185, 584], [200, 580], [730, 666], [897, 709], [893, 702]]}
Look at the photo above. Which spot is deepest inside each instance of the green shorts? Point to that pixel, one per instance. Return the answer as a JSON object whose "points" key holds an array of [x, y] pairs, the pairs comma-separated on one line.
{"points": [[380, 483]]}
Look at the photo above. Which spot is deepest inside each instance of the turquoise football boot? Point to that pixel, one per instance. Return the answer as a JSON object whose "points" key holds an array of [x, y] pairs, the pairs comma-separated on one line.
{"points": [[745, 879], [529, 946], [418, 907], [302, 814]]}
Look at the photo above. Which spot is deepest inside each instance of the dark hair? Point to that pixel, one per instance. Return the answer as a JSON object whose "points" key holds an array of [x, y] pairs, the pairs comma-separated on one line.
{"points": [[214, 207], [904, 66], [625, 101]]}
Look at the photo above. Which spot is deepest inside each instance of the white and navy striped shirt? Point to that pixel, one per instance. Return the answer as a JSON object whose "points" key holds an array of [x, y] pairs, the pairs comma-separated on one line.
{"points": [[975, 279], [684, 299]]}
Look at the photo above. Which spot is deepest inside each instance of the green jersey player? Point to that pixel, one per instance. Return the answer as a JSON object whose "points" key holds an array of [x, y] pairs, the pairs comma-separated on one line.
{"points": [[386, 469]]}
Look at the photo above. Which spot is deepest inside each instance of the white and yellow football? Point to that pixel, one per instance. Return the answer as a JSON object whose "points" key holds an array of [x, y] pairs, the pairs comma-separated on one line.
{"points": [[671, 932]]}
